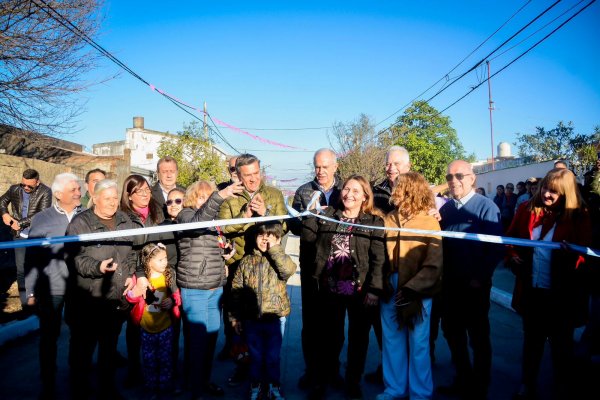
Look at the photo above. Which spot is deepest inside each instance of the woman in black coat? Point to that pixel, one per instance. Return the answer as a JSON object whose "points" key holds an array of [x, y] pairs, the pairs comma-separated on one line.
{"points": [[349, 269], [100, 273]]}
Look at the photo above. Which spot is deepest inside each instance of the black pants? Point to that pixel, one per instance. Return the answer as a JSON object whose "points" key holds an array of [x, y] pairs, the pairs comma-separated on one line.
{"points": [[541, 321], [311, 328], [93, 322], [50, 310], [465, 321], [333, 313]]}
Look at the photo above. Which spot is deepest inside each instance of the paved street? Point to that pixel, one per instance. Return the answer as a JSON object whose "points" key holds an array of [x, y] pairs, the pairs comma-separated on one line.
{"points": [[19, 378]]}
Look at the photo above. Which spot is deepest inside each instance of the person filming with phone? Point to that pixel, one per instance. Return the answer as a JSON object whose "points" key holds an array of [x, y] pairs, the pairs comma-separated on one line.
{"points": [[201, 274]]}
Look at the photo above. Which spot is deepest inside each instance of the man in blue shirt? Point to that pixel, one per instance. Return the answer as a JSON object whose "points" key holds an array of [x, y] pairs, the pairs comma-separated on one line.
{"points": [[467, 281]]}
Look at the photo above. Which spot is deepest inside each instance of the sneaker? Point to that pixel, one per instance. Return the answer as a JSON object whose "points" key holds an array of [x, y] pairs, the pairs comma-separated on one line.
{"points": [[275, 392], [255, 393]]}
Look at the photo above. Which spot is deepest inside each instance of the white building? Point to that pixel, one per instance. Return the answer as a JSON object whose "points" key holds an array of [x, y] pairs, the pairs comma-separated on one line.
{"points": [[143, 144]]}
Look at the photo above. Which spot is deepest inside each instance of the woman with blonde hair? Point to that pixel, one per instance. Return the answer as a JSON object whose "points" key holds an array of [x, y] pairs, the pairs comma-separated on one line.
{"points": [[201, 274], [413, 278], [550, 291], [348, 266]]}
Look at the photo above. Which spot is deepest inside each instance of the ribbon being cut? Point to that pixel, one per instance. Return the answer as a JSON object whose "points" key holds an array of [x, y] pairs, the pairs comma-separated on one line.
{"points": [[291, 214]]}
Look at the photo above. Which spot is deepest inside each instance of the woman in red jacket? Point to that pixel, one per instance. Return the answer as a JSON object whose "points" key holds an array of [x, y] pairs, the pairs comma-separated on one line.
{"points": [[550, 292]]}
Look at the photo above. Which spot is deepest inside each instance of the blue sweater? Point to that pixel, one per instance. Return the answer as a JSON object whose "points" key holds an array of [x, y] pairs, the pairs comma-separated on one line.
{"points": [[465, 260], [46, 271]]}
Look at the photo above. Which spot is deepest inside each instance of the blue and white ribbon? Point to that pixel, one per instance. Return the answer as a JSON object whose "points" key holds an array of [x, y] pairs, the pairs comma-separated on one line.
{"points": [[318, 210]]}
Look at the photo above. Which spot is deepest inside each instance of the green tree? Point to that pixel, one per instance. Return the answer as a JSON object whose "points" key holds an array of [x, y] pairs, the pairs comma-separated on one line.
{"points": [[561, 142], [431, 141], [359, 149], [195, 156]]}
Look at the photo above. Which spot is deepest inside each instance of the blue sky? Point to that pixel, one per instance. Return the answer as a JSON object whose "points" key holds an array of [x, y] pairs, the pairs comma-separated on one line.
{"points": [[310, 64]]}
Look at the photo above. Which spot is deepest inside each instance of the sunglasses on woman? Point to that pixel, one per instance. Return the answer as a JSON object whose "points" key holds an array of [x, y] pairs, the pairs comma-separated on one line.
{"points": [[176, 201]]}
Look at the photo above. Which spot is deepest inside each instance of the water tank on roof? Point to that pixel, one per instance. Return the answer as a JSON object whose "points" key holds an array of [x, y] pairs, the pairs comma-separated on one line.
{"points": [[138, 122], [504, 149]]}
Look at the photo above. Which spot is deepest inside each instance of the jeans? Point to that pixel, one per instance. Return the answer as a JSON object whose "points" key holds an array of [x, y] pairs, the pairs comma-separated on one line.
{"points": [[202, 321], [406, 362], [264, 345]]}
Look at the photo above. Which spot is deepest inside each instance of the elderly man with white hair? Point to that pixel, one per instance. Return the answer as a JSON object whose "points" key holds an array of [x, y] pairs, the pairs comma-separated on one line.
{"points": [[397, 161], [328, 185], [46, 271]]}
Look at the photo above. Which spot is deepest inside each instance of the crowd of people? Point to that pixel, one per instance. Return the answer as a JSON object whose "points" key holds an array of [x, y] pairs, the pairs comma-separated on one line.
{"points": [[356, 268]]}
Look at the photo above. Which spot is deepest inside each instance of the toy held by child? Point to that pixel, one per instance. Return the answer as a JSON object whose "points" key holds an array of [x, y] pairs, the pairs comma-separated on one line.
{"points": [[155, 314], [259, 300]]}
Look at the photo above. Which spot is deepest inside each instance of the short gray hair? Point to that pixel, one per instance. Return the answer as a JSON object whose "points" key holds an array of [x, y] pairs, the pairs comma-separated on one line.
{"points": [[399, 149], [61, 180], [325, 150], [105, 184]]}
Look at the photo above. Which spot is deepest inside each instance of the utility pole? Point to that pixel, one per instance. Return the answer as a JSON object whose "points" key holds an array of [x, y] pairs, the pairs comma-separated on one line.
{"points": [[205, 126], [491, 107]]}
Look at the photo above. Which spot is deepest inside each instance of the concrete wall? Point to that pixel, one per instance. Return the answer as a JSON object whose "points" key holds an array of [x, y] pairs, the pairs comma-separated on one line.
{"points": [[489, 180], [12, 167]]}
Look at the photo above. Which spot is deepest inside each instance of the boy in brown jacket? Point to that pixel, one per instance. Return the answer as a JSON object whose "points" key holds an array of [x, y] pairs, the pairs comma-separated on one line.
{"points": [[260, 304]]}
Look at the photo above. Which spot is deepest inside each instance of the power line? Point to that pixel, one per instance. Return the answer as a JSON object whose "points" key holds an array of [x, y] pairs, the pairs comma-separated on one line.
{"points": [[494, 51], [538, 30], [480, 63], [456, 66], [521, 55]]}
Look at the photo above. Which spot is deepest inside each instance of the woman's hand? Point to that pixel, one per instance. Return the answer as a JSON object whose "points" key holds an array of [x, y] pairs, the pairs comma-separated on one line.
{"points": [[232, 190], [141, 286], [166, 304], [371, 299]]}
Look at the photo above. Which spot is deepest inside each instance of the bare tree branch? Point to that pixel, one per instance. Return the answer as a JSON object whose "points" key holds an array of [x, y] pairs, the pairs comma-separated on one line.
{"points": [[42, 62]]}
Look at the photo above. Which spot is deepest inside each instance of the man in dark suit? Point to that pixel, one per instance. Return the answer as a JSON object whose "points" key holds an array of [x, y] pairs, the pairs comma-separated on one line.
{"points": [[166, 171]]}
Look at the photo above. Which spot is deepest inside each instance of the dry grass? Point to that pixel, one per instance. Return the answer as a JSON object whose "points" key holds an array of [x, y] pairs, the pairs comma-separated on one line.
{"points": [[11, 304]]}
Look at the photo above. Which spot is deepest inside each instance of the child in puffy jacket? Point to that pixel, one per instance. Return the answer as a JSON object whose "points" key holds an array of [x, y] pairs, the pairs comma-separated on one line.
{"points": [[156, 315], [259, 305]]}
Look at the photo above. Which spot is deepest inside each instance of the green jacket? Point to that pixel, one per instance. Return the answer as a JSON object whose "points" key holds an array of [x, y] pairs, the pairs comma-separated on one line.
{"points": [[235, 207], [258, 288]]}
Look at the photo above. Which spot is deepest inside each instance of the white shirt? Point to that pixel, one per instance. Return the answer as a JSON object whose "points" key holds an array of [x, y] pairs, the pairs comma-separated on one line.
{"points": [[542, 259], [461, 202]]}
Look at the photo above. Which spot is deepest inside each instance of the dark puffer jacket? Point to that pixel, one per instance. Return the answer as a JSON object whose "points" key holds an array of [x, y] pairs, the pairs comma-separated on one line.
{"points": [[201, 264], [366, 246], [39, 199], [84, 258]]}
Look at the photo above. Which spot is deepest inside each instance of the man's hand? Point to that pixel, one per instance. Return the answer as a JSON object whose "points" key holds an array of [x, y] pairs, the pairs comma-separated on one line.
{"points": [[108, 266], [31, 301], [435, 214], [7, 219], [258, 205]]}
